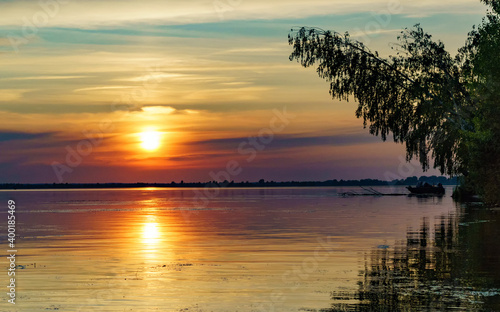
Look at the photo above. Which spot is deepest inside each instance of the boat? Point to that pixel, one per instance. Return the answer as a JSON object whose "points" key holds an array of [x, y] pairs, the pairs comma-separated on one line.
{"points": [[426, 189]]}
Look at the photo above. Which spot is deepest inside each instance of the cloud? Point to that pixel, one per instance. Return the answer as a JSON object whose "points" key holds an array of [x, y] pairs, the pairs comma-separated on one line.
{"points": [[251, 51], [294, 141], [44, 77], [20, 136], [184, 158], [94, 13], [31, 108], [7, 95], [103, 88], [155, 109], [153, 77], [4, 42], [166, 109]]}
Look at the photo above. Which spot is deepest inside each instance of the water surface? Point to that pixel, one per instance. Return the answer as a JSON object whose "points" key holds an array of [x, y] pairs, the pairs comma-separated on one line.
{"points": [[256, 249]]}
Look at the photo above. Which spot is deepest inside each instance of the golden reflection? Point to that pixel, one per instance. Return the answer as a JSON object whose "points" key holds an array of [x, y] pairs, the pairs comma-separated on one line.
{"points": [[151, 237], [155, 237], [150, 206], [150, 232]]}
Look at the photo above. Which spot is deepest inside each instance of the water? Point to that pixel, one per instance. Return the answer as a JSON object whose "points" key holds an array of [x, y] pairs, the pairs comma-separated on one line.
{"points": [[284, 249]]}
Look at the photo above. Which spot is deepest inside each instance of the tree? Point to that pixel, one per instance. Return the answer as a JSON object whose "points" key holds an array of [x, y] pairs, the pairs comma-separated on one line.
{"points": [[483, 57], [427, 99]]}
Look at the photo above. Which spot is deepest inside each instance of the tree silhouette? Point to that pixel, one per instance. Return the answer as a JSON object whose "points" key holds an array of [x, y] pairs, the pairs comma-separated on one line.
{"points": [[439, 106]]}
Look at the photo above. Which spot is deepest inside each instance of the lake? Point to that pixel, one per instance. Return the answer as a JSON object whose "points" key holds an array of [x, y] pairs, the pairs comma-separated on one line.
{"points": [[250, 249]]}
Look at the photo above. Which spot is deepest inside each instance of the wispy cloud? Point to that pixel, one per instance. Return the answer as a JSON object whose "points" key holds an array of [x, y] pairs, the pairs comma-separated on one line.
{"points": [[154, 76], [294, 141], [8, 95], [158, 109], [20, 136], [93, 13], [251, 50], [44, 77], [103, 88], [219, 78]]}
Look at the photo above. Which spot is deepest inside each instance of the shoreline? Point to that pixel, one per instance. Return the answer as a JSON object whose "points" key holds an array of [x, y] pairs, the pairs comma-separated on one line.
{"points": [[226, 184]]}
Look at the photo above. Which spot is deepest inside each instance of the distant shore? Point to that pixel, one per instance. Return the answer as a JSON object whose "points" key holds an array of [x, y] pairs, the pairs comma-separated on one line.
{"points": [[232, 184]]}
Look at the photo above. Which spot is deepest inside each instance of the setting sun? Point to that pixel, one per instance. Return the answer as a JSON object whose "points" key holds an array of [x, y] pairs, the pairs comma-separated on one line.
{"points": [[150, 140]]}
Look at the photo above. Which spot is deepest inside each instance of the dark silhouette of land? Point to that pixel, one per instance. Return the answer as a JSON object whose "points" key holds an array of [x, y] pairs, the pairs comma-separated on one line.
{"points": [[261, 183]]}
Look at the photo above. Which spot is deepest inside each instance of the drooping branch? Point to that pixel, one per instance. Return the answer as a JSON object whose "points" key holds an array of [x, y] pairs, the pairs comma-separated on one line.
{"points": [[417, 97]]}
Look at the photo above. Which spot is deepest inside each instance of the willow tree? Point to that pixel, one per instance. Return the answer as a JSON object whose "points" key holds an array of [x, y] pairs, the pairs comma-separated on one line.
{"points": [[422, 96]]}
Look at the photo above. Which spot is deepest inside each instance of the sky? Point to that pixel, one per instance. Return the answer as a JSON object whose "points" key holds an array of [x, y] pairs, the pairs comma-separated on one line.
{"points": [[161, 91]]}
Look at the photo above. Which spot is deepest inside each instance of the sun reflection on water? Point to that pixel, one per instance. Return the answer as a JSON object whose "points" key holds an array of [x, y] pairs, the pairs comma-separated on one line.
{"points": [[150, 232], [151, 237]]}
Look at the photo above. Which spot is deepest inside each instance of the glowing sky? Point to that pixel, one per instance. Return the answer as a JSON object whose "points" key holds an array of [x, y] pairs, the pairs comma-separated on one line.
{"points": [[82, 81]]}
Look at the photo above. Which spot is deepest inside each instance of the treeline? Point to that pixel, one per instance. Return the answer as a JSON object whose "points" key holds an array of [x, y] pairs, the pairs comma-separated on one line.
{"points": [[261, 183]]}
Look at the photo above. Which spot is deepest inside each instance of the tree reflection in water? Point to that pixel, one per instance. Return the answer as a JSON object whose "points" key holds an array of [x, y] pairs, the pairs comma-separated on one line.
{"points": [[454, 267]]}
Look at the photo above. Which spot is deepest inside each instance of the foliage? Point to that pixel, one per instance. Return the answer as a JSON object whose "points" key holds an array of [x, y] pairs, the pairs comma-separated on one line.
{"points": [[439, 106], [482, 51]]}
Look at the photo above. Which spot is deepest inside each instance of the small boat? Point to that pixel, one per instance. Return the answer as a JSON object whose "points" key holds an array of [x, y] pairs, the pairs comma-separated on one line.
{"points": [[426, 189]]}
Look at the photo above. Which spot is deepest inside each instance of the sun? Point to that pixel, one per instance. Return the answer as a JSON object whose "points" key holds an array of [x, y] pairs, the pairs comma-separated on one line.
{"points": [[150, 140]]}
